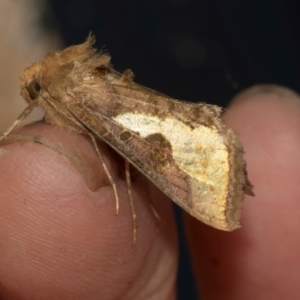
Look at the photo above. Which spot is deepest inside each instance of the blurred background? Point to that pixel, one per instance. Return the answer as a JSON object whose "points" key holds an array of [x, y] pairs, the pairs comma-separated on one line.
{"points": [[192, 50]]}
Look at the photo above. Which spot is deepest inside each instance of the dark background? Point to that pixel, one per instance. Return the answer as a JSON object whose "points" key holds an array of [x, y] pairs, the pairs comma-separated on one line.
{"points": [[190, 49]]}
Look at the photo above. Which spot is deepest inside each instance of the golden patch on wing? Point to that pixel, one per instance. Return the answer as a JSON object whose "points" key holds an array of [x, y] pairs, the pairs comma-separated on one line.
{"points": [[200, 152]]}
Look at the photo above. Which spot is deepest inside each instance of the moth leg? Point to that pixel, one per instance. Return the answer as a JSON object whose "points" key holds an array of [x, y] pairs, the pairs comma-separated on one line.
{"points": [[113, 184], [21, 118], [151, 204], [128, 182]]}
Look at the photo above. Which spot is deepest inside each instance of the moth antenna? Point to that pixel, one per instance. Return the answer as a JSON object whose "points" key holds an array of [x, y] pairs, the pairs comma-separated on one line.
{"points": [[128, 182], [21, 118], [113, 184]]}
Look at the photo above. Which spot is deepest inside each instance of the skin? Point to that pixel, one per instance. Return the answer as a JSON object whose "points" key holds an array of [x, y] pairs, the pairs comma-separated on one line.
{"points": [[60, 237]]}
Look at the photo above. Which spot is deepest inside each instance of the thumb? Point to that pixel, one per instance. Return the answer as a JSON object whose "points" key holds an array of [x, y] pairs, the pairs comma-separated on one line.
{"points": [[60, 237]]}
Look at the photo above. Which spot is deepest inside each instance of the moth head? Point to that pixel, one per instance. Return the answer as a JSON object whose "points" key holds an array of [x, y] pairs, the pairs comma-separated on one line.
{"points": [[33, 89], [31, 84]]}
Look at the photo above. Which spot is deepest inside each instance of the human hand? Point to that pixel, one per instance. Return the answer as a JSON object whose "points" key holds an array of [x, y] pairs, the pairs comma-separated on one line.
{"points": [[60, 237]]}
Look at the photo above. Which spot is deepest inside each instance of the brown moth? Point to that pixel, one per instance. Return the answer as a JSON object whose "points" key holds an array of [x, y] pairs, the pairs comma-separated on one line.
{"points": [[183, 148]]}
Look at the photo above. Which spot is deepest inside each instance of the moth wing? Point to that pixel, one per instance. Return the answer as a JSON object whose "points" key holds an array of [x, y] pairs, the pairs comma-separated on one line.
{"points": [[200, 169]]}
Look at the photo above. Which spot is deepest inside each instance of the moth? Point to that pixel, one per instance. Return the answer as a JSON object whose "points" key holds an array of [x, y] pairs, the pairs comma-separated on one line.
{"points": [[183, 148]]}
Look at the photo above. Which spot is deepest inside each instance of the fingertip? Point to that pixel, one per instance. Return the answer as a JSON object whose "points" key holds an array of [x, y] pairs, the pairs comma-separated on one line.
{"points": [[244, 263], [267, 120]]}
